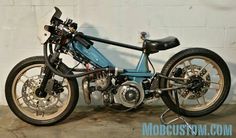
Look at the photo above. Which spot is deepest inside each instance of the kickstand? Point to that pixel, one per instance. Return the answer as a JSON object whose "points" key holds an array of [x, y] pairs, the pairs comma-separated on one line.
{"points": [[178, 117]]}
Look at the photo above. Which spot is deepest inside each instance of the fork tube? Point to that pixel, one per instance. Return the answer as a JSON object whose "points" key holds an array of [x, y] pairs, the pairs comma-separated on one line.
{"points": [[48, 73], [47, 76]]}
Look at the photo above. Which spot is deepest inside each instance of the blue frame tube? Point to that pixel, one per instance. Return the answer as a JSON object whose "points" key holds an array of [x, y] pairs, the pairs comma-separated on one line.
{"points": [[93, 56]]}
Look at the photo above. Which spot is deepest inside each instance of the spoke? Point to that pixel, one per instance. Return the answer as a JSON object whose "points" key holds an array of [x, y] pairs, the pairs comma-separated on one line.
{"points": [[204, 100], [202, 68], [198, 102], [208, 72], [64, 94], [37, 112], [59, 100], [177, 93], [20, 80], [19, 98], [24, 76], [58, 106], [214, 82], [63, 79], [41, 72], [20, 104], [214, 89], [185, 99], [214, 86], [191, 66], [42, 114], [185, 67], [65, 86]]}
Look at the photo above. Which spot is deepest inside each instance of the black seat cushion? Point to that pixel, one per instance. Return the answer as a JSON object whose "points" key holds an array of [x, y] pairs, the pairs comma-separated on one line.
{"points": [[153, 46]]}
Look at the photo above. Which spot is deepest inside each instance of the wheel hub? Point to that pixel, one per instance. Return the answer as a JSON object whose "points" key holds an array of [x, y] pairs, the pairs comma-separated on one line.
{"points": [[40, 94], [196, 83], [36, 99], [131, 94]]}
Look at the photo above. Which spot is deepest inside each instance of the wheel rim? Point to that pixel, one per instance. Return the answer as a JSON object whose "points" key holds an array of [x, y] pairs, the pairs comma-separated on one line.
{"points": [[25, 99], [211, 74]]}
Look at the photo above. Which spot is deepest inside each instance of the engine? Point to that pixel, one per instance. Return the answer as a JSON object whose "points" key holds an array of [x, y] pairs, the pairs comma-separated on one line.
{"points": [[95, 82], [129, 94]]}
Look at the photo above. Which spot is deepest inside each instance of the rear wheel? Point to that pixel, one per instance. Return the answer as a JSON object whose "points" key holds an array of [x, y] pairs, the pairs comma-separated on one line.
{"points": [[23, 98], [209, 76]]}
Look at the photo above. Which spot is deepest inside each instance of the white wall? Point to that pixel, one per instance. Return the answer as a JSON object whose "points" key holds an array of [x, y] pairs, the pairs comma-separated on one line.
{"points": [[202, 23]]}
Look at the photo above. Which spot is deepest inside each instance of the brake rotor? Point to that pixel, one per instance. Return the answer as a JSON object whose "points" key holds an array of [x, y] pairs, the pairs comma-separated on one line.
{"points": [[203, 77], [32, 100]]}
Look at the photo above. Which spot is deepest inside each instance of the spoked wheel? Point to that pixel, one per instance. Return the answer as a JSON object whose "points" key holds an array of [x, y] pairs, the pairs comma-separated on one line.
{"points": [[31, 105], [207, 77]]}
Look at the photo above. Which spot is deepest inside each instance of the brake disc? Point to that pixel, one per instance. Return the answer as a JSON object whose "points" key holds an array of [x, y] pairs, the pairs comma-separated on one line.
{"points": [[33, 101], [203, 75]]}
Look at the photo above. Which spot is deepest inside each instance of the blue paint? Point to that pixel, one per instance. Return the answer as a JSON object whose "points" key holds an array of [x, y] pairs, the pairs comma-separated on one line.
{"points": [[142, 64], [97, 59]]}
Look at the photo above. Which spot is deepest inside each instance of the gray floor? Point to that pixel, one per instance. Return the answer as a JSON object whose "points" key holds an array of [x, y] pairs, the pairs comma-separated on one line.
{"points": [[100, 122]]}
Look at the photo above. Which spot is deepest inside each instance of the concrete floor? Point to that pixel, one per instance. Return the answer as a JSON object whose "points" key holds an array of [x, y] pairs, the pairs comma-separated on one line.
{"points": [[99, 122]]}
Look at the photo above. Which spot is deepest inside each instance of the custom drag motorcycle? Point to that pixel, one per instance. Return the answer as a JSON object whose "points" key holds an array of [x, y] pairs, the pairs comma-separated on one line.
{"points": [[43, 90]]}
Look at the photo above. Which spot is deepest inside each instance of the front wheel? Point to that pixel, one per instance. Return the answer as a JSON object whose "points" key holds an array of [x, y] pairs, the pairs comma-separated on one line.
{"points": [[208, 79], [23, 98]]}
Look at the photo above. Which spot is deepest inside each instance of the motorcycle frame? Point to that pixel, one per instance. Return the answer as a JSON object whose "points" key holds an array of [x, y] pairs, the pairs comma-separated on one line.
{"points": [[97, 59]]}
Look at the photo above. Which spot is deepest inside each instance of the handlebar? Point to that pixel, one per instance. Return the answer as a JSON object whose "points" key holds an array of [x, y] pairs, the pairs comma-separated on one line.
{"points": [[66, 28]]}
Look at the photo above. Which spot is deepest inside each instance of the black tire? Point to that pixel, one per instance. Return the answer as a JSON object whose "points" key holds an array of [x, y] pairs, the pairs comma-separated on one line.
{"points": [[9, 97], [195, 52]]}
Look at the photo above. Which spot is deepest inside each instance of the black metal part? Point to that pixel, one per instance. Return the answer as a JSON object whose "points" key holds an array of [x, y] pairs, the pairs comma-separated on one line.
{"points": [[80, 70], [146, 84], [47, 76], [130, 95], [111, 42], [153, 46], [176, 79], [173, 88], [74, 25], [40, 94], [177, 102], [57, 87], [195, 83], [143, 35], [178, 72], [83, 40]]}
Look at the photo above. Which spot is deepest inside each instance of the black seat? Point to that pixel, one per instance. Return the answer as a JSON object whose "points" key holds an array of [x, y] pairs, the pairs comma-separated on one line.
{"points": [[153, 46]]}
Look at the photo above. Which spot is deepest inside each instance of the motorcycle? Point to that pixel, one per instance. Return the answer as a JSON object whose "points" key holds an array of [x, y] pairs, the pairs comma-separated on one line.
{"points": [[43, 90]]}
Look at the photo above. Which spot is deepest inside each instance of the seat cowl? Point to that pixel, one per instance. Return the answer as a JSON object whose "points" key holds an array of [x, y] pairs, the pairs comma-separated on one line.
{"points": [[153, 46]]}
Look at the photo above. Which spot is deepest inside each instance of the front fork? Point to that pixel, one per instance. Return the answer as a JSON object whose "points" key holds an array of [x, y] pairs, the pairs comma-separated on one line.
{"points": [[48, 74]]}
